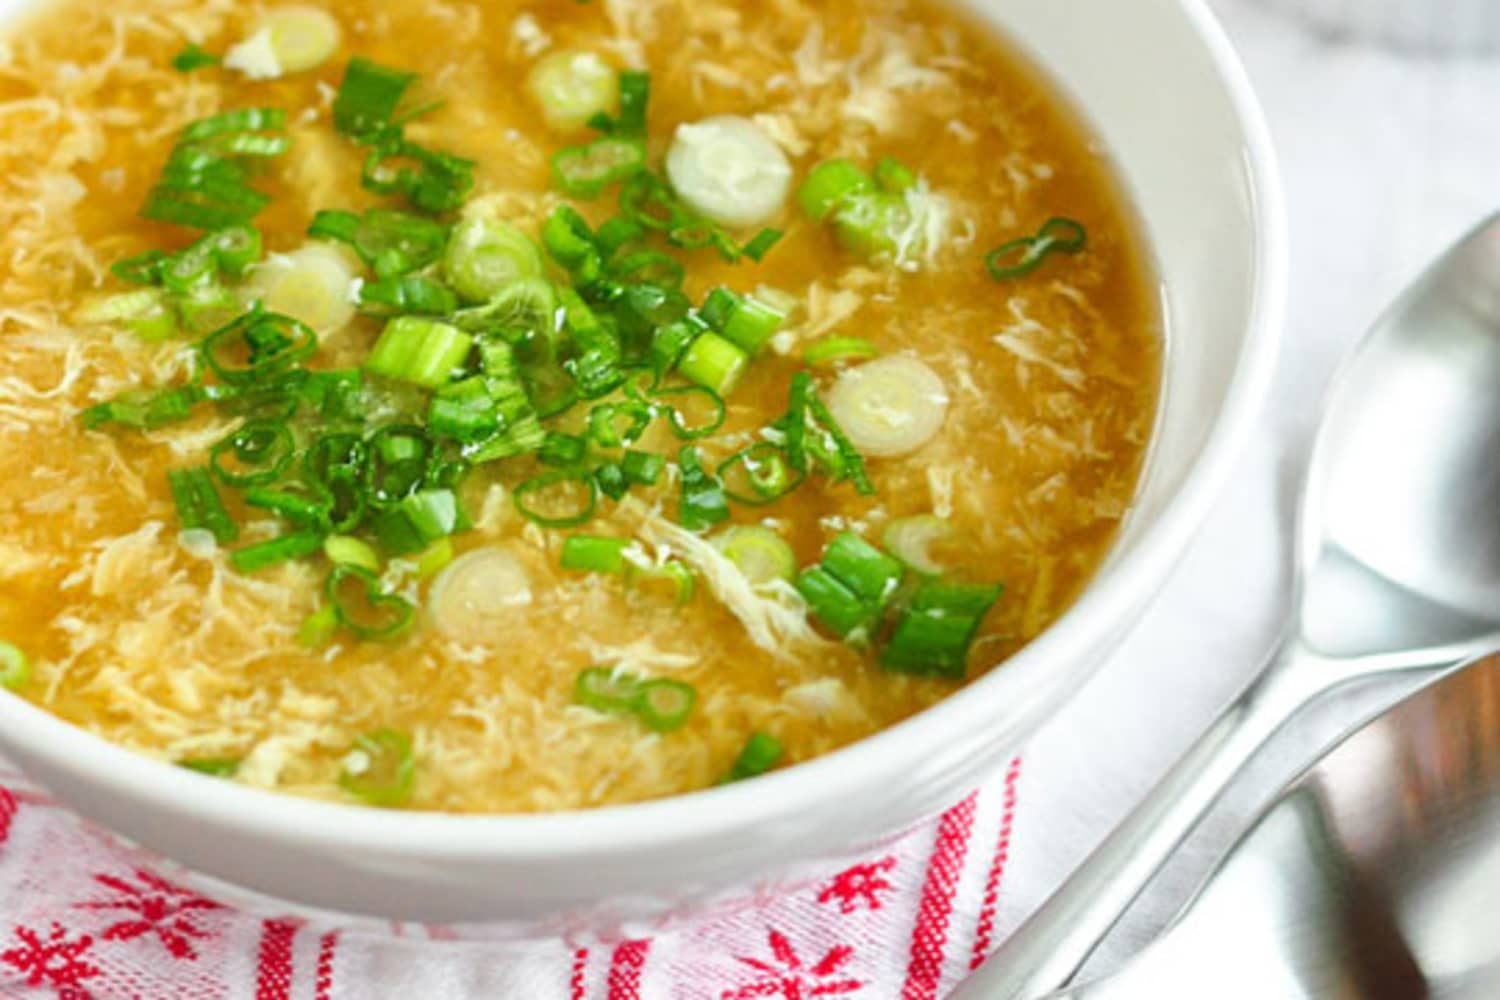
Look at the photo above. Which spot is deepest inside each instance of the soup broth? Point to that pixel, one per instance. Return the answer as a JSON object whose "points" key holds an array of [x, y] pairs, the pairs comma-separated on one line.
{"points": [[150, 636]]}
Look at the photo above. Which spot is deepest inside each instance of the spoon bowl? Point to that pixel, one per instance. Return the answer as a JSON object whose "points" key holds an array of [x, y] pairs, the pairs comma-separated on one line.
{"points": [[1398, 570], [1371, 877]]}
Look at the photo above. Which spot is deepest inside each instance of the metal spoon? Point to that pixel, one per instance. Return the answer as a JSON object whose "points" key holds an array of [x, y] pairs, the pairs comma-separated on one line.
{"points": [[1373, 876], [1398, 569]]}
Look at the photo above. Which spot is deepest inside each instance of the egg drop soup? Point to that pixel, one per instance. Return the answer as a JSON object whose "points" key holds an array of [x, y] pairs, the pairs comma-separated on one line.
{"points": [[517, 406]]}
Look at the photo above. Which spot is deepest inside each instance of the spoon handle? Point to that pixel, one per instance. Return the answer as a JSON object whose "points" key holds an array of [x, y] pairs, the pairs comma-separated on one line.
{"points": [[1051, 946]]}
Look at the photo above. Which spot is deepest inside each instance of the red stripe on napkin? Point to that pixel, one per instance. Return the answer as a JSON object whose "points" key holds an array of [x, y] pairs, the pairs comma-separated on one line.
{"points": [[273, 981], [625, 970], [930, 938], [7, 813], [327, 947], [984, 936]]}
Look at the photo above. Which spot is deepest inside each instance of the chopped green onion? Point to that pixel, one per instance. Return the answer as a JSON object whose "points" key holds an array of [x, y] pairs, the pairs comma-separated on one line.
{"points": [[142, 269], [525, 311], [486, 256], [199, 507], [256, 346], [665, 705], [610, 479], [254, 455], [380, 769], [692, 431], [719, 307], [594, 554], [212, 767], [15, 667], [937, 627], [464, 411], [597, 367], [1021, 257], [871, 574], [143, 409], [849, 591], [264, 555], [760, 755], [832, 351], [561, 450], [392, 243], [642, 467], [310, 508], [363, 607], [411, 294], [192, 57], [615, 425], [569, 241], [318, 629], [421, 351], [368, 97], [759, 553], [672, 573], [562, 499], [851, 464], [761, 243], [702, 504], [435, 559], [836, 605], [669, 343], [648, 267], [417, 521], [759, 475], [751, 324], [829, 185], [714, 363], [343, 550], [870, 224], [608, 691], [635, 97], [585, 171], [399, 455], [431, 180], [894, 176]]}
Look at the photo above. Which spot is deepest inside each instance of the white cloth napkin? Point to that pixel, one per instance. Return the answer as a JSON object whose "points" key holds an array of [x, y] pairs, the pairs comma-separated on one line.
{"points": [[1387, 161]]}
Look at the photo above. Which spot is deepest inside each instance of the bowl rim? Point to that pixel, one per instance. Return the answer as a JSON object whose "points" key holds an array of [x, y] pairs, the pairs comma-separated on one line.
{"points": [[724, 810]]}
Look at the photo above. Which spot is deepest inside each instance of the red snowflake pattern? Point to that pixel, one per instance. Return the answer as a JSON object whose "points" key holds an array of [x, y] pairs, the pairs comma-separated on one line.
{"points": [[53, 961], [789, 979], [860, 884], [157, 907]]}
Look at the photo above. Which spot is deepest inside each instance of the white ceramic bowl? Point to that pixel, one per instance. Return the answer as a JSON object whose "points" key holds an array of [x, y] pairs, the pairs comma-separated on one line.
{"points": [[1166, 94]]}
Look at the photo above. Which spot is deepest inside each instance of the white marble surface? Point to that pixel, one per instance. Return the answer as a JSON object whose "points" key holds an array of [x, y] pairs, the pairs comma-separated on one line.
{"points": [[1387, 159]]}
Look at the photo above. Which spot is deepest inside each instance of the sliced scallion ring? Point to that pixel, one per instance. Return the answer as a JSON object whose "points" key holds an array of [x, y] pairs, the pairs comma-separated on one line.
{"points": [[380, 769], [562, 499], [912, 540], [889, 407], [759, 553], [572, 87], [15, 667]]}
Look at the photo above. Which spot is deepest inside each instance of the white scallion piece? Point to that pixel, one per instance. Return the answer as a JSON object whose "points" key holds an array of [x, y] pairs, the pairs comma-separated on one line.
{"points": [[889, 407], [289, 39], [912, 540], [311, 284], [727, 169], [571, 87], [759, 553], [479, 594]]}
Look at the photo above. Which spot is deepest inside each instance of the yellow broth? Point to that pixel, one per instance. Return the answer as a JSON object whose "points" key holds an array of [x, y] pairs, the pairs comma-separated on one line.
{"points": [[1053, 381]]}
